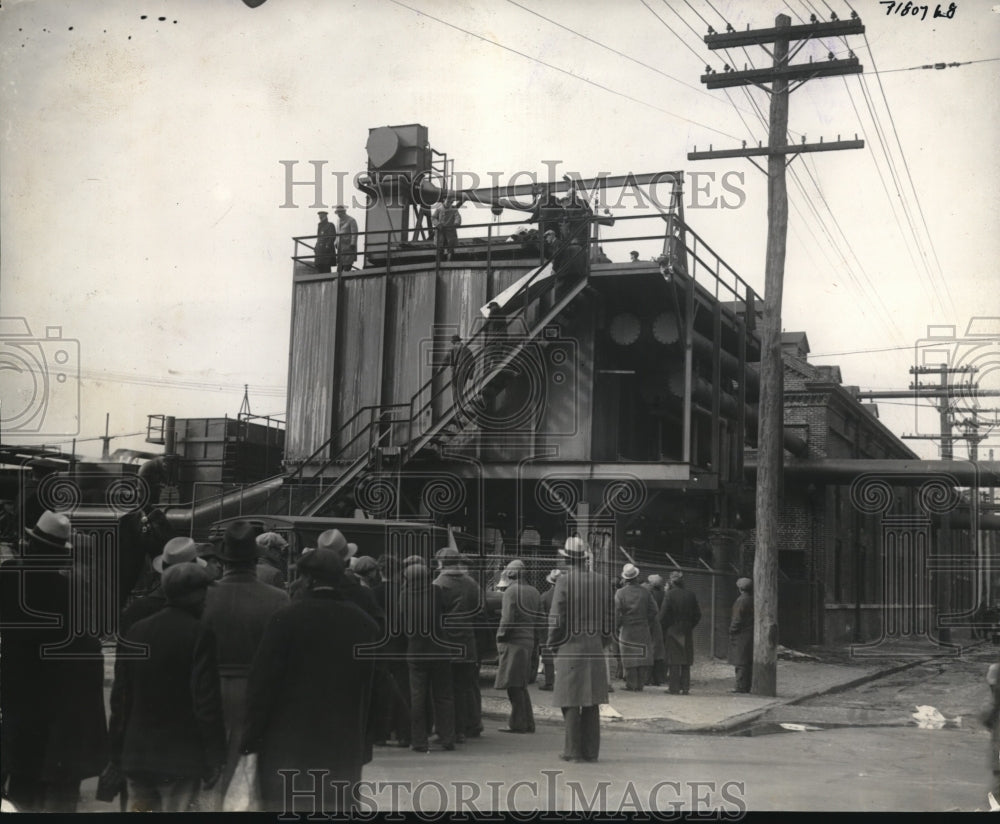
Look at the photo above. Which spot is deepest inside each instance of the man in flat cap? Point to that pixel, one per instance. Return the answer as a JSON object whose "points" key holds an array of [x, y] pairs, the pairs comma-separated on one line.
{"points": [[237, 609], [741, 636], [167, 731], [326, 244], [679, 615], [520, 614]]}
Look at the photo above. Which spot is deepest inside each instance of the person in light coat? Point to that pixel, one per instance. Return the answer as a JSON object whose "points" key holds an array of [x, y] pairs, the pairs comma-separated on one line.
{"points": [[635, 615], [580, 628]]}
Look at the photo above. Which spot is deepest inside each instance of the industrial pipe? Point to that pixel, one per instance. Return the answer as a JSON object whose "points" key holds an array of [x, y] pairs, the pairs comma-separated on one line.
{"points": [[903, 472]]}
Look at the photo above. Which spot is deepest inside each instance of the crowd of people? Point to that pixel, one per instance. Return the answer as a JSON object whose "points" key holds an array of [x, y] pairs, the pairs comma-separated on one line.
{"points": [[222, 659]]}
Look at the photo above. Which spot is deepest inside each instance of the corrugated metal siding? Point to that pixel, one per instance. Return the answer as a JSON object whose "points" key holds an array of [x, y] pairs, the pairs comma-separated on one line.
{"points": [[409, 336], [359, 359], [310, 368], [460, 295]]}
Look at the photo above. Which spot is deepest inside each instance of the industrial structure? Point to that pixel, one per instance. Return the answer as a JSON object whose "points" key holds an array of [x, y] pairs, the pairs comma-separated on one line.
{"points": [[520, 388]]}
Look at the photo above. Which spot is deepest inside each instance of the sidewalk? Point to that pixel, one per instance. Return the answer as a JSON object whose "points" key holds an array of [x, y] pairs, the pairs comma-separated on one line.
{"points": [[710, 706]]}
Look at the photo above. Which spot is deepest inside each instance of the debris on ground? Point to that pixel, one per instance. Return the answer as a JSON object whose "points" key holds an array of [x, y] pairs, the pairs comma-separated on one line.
{"points": [[789, 654]]}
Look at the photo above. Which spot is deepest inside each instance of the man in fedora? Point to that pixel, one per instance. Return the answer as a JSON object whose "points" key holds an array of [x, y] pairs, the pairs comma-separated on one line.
{"points": [[580, 627], [635, 614], [679, 615], [348, 584], [545, 603], [326, 244], [272, 550], [347, 240], [237, 610], [310, 693], [167, 731], [175, 551], [461, 600], [520, 613], [52, 735]]}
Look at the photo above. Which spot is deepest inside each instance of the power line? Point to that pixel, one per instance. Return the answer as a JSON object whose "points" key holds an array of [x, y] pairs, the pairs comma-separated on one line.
{"points": [[906, 166], [559, 69], [614, 50], [671, 30], [938, 66]]}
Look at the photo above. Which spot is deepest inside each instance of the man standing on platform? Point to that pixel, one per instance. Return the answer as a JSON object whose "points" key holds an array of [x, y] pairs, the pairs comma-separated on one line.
{"points": [[347, 240], [326, 244], [679, 615], [580, 627]]}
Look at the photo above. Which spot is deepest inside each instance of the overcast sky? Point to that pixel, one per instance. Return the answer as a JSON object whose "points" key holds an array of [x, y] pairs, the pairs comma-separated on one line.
{"points": [[142, 188]]}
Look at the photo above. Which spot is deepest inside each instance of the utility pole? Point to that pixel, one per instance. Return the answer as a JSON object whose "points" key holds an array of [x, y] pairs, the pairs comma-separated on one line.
{"points": [[106, 448], [945, 392], [770, 456]]}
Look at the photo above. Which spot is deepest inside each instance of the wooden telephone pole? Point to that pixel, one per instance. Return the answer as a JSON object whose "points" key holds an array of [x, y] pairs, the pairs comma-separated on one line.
{"points": [[770, 459]]}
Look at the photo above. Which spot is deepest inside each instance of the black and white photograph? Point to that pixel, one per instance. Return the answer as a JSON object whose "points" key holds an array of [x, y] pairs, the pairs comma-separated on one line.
{"points": [[499, 407]]}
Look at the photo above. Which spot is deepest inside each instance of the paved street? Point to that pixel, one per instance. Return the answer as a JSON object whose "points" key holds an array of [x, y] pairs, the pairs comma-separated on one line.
{"points": [[861, 750]]}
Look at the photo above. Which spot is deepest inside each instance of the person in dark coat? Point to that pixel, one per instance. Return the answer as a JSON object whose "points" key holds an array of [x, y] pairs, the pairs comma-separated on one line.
{"points": [[679, 615], [635, 614], [349, 583], [326, 244], [429, 657], [461, 599], [167, 731], [237, 609], [658, 674], [545, 603], [580, 628], [519, 618], [309, 694], [741, 636], [54, 731], [392, 704]]}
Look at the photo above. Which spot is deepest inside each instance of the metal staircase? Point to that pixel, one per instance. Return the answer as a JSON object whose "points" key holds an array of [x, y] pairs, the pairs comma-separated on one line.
{"points": [[382, 421]]}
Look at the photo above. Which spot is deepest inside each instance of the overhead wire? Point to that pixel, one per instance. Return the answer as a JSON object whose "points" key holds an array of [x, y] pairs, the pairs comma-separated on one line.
{"points": [[887, 317], [541, 62], [909, 176]]}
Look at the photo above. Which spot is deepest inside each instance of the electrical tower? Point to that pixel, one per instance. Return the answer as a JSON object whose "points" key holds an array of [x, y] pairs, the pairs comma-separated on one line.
{"points": [[770, 461]]}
